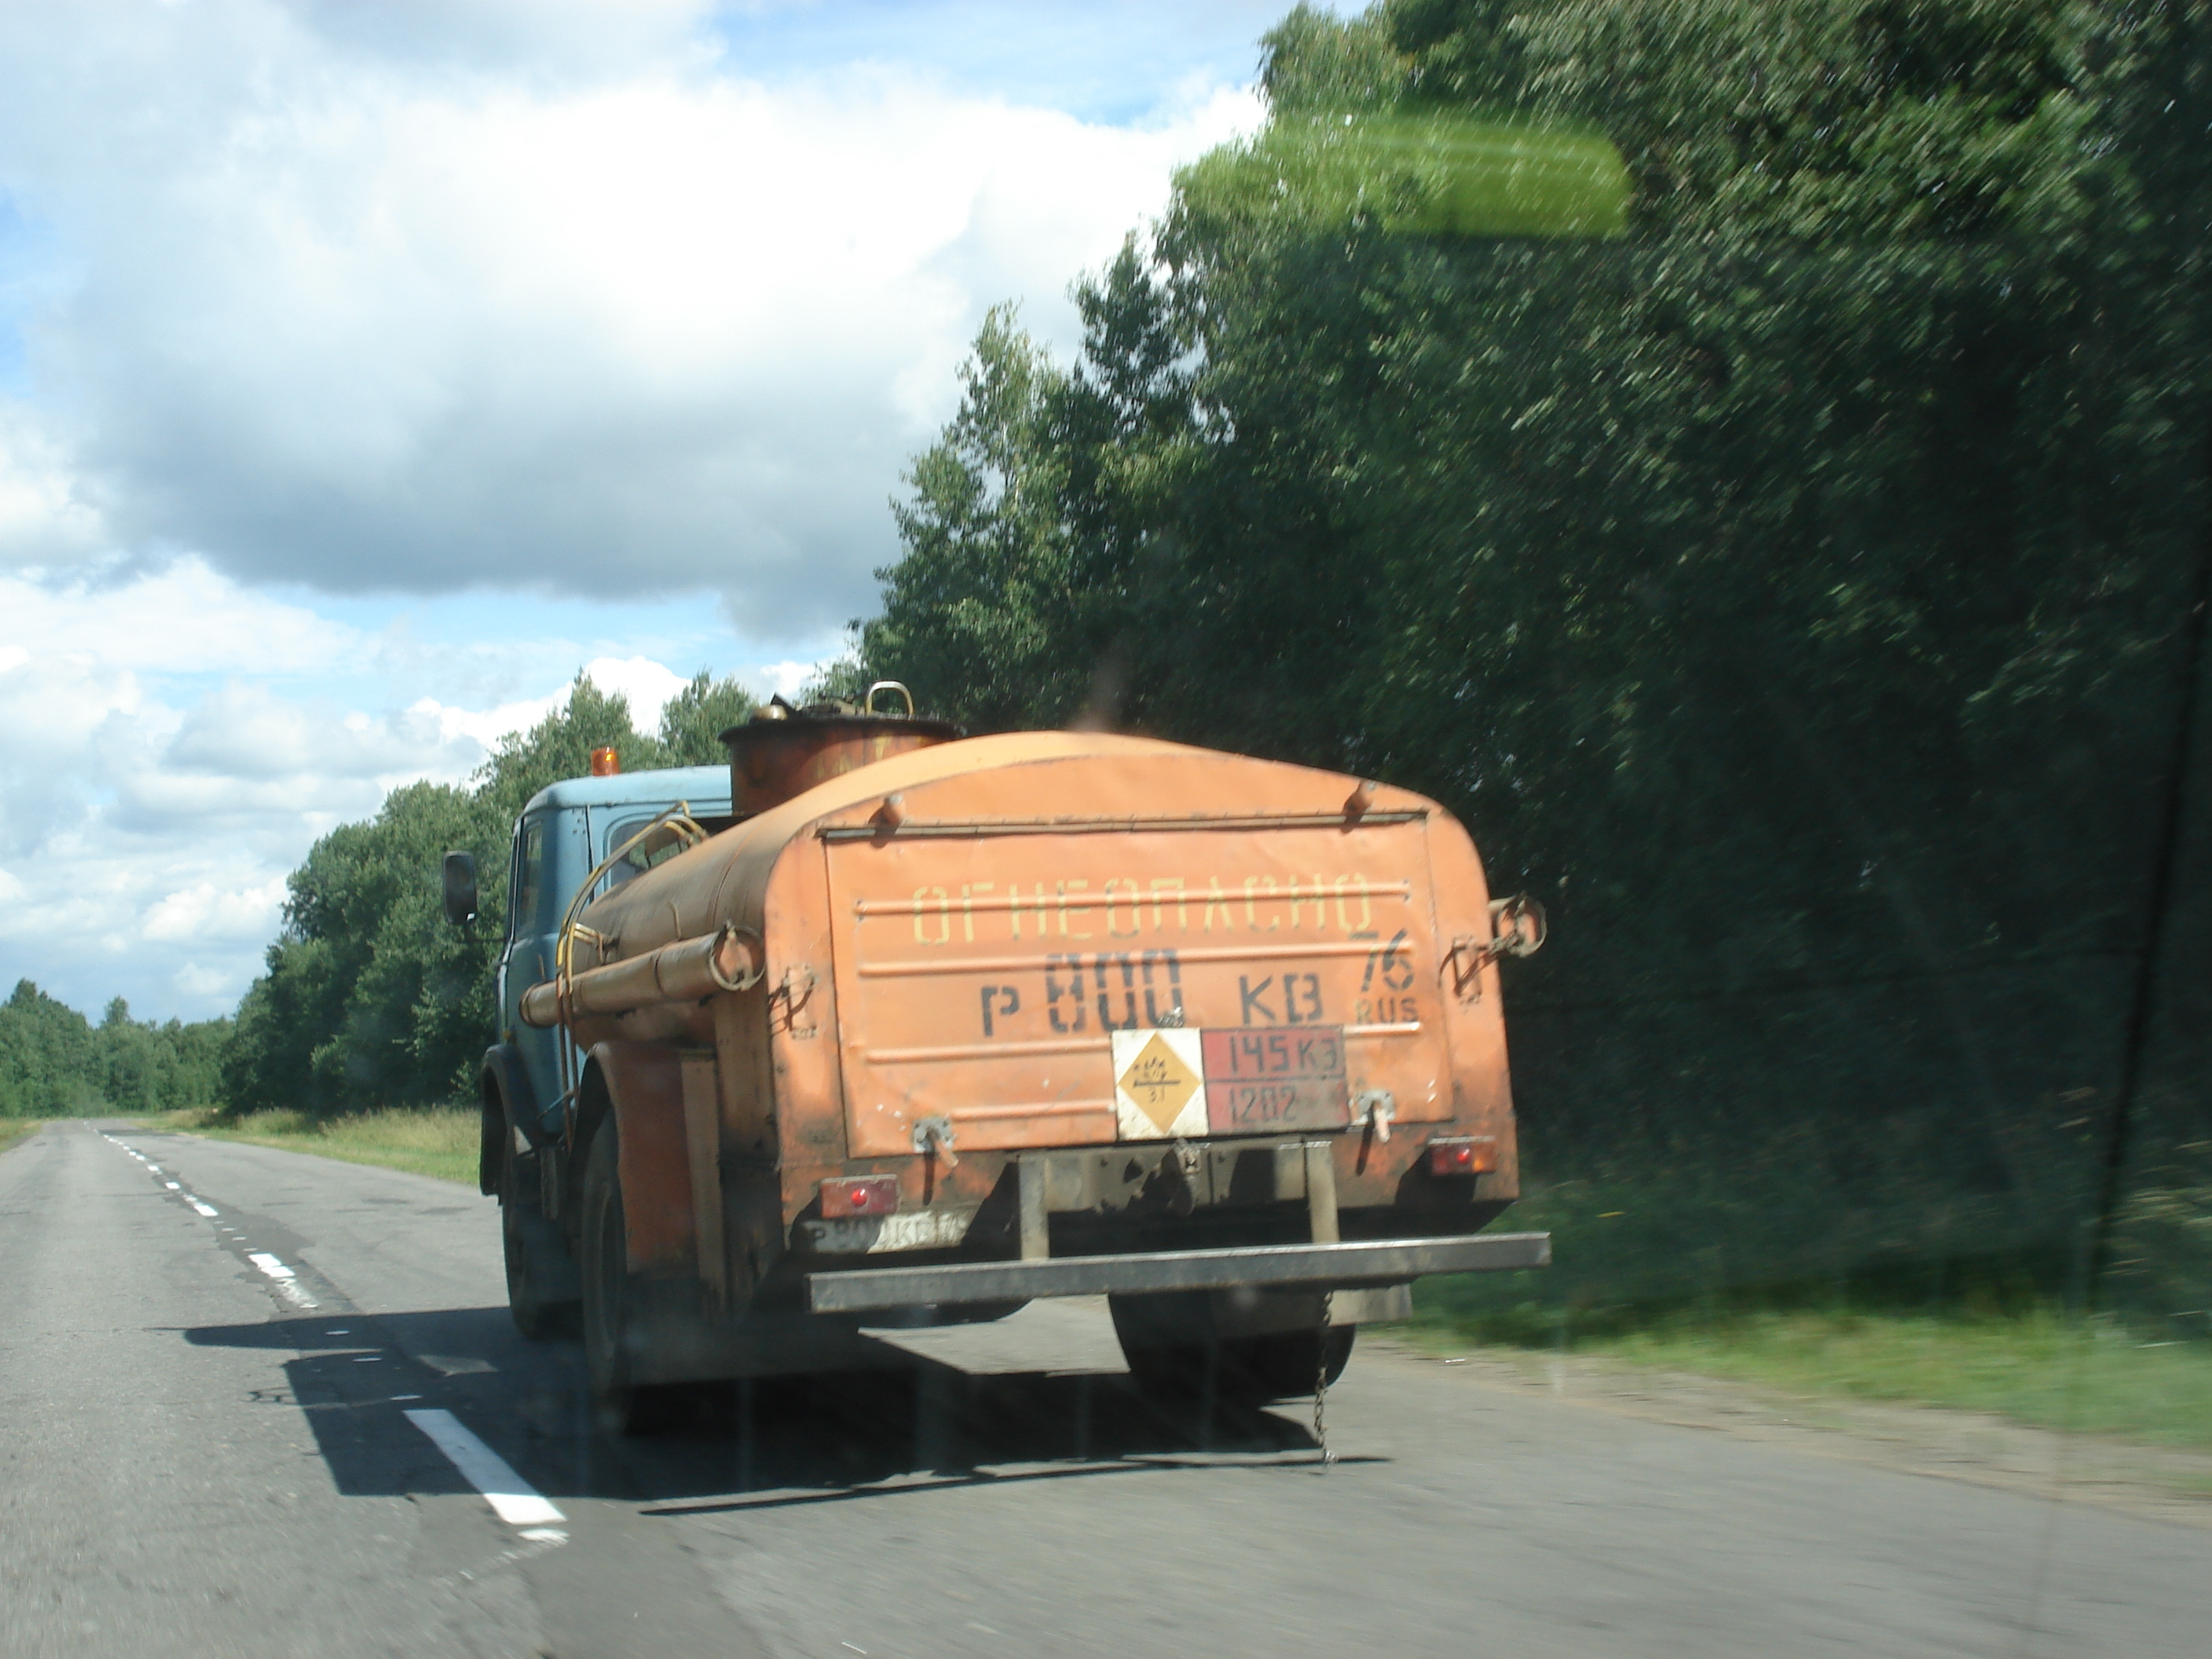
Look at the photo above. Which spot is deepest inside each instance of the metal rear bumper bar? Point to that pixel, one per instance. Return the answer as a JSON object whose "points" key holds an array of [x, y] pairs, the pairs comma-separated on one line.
{"points": [[1283, 1267]]}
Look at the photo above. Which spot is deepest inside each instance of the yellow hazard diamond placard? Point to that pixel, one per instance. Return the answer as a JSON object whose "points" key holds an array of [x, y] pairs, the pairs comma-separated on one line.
{"points": [[1159, 1086]]}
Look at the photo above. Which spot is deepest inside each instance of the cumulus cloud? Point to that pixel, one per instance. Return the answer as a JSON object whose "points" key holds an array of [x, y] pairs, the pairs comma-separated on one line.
{"points": [[651, 327], [43, 517], [55, 714], [148, 819], [647, 684], [244, 731], [585, 37], [183, 618], [206, 911], [202, 985], [517, 305]]}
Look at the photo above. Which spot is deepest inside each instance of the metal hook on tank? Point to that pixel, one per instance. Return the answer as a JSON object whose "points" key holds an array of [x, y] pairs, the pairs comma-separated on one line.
{"points": [[933, 1137]]}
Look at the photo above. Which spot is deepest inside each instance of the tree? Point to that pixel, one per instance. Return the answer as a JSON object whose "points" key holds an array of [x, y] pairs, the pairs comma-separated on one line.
{"points": [[976, 609], [1779, 568], [54, 1062], [694, 719]]}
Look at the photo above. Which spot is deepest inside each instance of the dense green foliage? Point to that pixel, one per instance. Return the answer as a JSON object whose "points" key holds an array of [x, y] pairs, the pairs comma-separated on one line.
{"points": [[370, 998], [55, 1063], [1789, 588]]}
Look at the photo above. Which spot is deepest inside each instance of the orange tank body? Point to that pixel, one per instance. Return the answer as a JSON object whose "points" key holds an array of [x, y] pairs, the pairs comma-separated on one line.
{"points": [[970, 936]]}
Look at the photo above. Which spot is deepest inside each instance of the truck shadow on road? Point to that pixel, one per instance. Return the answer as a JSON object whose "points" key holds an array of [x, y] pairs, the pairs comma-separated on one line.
{"points": [[914, 1425]]}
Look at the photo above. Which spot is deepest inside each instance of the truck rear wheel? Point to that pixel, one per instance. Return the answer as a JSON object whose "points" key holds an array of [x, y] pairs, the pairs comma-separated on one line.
{"points": [[1181, 1365], [618, 1401], [542, 1282]]}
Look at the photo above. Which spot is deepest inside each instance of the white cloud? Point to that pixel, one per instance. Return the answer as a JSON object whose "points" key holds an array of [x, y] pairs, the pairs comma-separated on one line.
{"points": [[57, 714], [581, 36], [206, 911], [662, 329], [221, 986], [486, 726], [647, 684], [184, 617], [43, 517], [788, 678], [507, 301], [245, 731], [146, 822]]}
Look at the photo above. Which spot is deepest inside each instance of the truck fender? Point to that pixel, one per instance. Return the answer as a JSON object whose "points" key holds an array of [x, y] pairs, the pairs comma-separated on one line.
{"points": [[509, 1104], [642, 1084]]}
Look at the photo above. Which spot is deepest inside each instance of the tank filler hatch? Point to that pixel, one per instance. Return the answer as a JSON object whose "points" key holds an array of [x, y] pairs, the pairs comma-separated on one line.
{"points": [[784, 751]]}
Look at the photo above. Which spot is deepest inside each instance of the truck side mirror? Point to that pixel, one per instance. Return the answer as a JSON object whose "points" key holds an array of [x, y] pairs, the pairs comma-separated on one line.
{"points": [[460, 880]]}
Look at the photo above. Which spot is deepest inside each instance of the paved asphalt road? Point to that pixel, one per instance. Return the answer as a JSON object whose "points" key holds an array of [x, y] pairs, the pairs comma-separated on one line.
{"points": [[195, 1462]]}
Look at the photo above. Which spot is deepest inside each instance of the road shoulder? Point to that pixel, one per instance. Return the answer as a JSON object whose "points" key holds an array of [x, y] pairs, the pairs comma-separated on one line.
{"points": [[2148, 1481]]}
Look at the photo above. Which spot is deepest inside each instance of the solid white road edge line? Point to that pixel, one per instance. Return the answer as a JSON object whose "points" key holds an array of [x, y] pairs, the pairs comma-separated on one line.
{"points": [[518, 1503]]}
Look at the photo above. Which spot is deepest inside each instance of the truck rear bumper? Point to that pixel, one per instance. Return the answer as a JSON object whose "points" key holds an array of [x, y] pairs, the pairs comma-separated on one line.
{"points": [[1284, 1267]]}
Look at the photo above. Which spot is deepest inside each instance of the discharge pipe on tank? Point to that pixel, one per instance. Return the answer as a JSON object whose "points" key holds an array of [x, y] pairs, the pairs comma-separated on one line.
{"points": [[686, 971]]}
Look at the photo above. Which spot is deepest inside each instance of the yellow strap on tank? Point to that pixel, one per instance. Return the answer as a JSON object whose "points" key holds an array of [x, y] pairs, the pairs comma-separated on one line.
{"points": [[690, 832]]}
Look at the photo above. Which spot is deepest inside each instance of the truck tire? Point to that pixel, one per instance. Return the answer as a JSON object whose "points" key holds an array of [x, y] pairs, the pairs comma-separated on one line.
{"points": [[621, 1405], [1240, 1370], [604, 1246], [542, 1288]]}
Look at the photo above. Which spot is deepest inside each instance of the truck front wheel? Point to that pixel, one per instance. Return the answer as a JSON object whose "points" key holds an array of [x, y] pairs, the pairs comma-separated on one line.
{"points": [[542, 1288]]}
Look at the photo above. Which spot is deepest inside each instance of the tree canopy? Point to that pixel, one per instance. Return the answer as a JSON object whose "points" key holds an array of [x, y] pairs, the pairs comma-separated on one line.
{"points": [[54, 1062], [1781, 563]]}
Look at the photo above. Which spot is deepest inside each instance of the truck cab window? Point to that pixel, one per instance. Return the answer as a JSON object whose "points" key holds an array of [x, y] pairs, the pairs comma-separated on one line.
{"points": [[529, 877], [638, 860]]}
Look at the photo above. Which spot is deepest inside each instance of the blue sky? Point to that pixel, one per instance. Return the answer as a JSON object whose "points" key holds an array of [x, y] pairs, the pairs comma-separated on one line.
{"points": [[1117, 62], [366, 371]]}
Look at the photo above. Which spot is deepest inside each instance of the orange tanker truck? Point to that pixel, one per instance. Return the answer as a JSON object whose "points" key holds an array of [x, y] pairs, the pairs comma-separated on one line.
{"points": [[922, 1028]]}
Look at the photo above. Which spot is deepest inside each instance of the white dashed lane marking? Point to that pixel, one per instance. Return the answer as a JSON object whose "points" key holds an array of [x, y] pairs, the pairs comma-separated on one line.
{"points": [[517, 1502], [285, 1280]]}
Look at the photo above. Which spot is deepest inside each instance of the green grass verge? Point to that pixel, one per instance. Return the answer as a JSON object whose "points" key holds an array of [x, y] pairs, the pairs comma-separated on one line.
{"points": [[441, 1142], [2036, 1368], [13, 1129]]}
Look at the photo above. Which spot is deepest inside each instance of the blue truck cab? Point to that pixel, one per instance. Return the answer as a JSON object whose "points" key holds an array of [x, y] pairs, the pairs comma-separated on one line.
{"points": [[566, 832]]}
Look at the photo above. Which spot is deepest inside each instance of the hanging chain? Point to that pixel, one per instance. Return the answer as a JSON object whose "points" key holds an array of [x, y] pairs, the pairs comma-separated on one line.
{"points": [[1321, 1383]]}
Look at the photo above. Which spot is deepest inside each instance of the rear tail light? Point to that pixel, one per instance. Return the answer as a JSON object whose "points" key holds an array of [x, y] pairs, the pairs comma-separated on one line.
{"points": [[849, 1195], [1464, 1155]]}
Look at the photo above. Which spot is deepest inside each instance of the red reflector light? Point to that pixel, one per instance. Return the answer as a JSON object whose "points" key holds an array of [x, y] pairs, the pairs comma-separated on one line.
{"points": [[846, 1195], [606, 762], [1464, 1155]]}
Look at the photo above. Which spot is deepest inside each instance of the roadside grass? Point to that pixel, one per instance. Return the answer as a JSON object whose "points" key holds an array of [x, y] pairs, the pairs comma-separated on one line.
{"points": [[13, 1129], [2035, 1366], [439, 1141]]}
